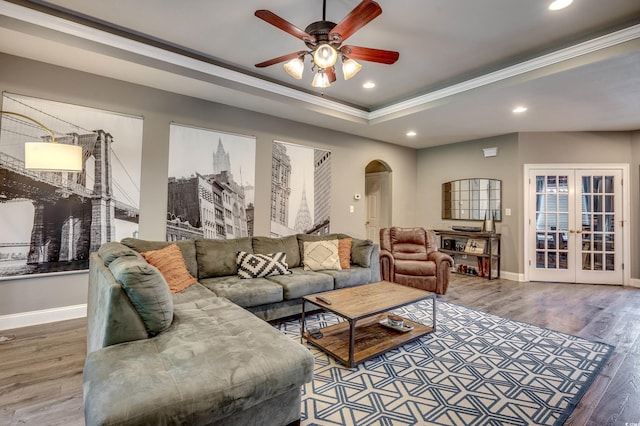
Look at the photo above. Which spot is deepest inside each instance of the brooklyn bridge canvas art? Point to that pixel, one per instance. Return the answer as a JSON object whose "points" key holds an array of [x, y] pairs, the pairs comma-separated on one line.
{"points": [[51, 221]]}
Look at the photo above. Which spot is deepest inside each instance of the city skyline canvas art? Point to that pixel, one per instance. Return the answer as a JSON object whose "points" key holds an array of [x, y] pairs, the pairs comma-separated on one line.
{"points": [[211, 184], [51, 221], [300, 190]]}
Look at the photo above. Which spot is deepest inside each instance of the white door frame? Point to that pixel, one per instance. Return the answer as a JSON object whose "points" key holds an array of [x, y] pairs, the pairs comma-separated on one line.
{"points": [[626, 211]]}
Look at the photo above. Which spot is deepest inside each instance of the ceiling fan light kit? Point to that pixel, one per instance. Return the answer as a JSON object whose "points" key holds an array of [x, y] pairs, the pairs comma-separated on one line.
{"points": [[295, 68], [324, 39], [321, 80], [325, 56], [350, 68]]}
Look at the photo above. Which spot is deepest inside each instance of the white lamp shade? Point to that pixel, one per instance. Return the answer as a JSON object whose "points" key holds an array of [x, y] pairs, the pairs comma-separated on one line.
{"points": [[325, 56], [52, 157], [321, 80], [350, 68], [294, 68]]}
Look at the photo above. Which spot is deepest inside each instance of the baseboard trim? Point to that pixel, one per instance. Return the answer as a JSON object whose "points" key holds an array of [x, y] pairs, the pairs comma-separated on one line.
{"points": [[26, 319], [511, 276], [634, 282]]}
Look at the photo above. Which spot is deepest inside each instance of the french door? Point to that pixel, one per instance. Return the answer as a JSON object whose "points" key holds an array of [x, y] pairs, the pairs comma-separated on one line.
{"points": [[575, 225]]}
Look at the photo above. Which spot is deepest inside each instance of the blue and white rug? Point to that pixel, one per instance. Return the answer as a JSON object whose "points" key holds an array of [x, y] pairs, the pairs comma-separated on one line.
{"points": [[476, 369]]}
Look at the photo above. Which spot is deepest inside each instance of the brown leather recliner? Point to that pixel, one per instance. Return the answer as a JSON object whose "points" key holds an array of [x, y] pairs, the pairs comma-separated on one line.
{"points": [[410, 256]]}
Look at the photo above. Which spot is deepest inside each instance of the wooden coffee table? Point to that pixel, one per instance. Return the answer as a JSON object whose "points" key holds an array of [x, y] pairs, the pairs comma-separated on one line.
{"points": [[362, 336]]}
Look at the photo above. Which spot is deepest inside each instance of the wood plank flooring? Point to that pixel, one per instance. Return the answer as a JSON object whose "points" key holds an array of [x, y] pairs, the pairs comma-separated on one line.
{"points": [[41, 369]]}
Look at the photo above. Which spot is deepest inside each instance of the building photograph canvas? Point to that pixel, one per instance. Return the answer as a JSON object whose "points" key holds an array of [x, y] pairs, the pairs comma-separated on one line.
{"points": [[211, 184], [51, 221], [300, 190]]}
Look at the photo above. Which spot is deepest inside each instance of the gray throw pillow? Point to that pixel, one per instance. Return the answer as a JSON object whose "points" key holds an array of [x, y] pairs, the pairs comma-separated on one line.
{"points": [[113, 250], [289, 245], [147, 290], [361, 252], [217, 258]]}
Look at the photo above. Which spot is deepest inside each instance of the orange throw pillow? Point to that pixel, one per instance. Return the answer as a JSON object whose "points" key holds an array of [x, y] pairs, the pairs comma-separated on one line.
{"points": [[344, 253], [171, 265]]}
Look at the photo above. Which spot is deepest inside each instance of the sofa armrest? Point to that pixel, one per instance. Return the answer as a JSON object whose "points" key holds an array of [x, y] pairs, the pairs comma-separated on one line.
{"points": [[444, 263], [374, 262], [387, 265]]}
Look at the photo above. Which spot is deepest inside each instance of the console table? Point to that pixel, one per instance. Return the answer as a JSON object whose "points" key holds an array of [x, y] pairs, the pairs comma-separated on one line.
{"points": [[485, 246]]}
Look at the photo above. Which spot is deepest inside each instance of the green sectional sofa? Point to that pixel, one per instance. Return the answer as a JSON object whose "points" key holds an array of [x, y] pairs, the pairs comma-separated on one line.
{"points": [[204, 355]]}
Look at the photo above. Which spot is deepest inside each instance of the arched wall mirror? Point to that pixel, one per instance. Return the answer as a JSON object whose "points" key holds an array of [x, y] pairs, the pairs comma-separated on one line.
{"points": [[472, 199]]}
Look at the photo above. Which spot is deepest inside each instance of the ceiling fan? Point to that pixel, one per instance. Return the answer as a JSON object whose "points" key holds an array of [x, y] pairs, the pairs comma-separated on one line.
{"points": [[324, 39]]}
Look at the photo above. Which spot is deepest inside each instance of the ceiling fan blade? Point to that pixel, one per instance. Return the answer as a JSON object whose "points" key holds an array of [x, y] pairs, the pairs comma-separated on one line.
{"points": [[363, 13], [284, 25], [331, 74], [371, 55], [279, 59]]}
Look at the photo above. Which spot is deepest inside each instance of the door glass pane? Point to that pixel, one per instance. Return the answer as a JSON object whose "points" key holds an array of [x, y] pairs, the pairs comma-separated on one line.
{"points": [[552, 215], [563, 244], [608, 184], [597, 228], [608, 203], [597, 261], [610, 262], [597, 184]]}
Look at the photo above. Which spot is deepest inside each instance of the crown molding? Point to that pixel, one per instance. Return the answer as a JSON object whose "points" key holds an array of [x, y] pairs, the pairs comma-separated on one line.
{"points": [[147, 50], [584, 48]]}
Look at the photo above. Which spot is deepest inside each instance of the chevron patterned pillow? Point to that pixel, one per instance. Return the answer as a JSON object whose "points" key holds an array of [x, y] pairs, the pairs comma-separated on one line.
{"points": [[261, 265]]}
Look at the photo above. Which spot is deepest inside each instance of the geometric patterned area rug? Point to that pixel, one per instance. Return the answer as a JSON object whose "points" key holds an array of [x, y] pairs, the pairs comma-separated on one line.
{"points": [[476, 369]]}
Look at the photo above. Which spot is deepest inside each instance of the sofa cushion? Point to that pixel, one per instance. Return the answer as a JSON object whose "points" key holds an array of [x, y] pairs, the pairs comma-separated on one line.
{"points": [[289, 245], [170, 263], [301, 283], [361, 252], [194, 292], [245, 293], [261, 265], [147, 290], [217, 258], [357, 275], [187, 247], [113, 250], [217, 359], [344, 252], [320, 255]]}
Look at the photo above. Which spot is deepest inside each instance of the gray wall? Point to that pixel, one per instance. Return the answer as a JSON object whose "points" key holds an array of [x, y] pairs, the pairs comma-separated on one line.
{"points": [[350, 155], [465, 160]]}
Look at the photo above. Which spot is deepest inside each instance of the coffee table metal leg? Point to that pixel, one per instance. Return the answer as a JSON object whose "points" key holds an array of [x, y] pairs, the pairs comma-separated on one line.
{"points": [[352, 332], [434, 313], [302, 321]]}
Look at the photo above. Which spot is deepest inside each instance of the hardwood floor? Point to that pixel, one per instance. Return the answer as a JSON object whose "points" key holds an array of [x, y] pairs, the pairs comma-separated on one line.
{"points": [[41, 369]]}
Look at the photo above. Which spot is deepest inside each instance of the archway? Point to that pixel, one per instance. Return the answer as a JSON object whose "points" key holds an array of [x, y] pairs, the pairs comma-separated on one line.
{"points": [[378, 198]]}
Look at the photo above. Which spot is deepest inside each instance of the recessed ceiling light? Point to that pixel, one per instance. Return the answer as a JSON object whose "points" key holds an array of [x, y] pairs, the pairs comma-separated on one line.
{"points": [[559, 4], [411, 133], [369, 85], [519, 109]]}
